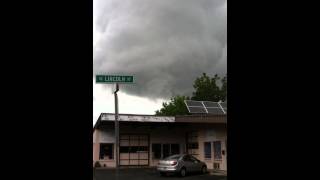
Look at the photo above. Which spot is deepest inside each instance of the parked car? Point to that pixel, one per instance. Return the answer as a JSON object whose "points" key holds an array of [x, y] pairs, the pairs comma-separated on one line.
{"points": [[181, 164]]}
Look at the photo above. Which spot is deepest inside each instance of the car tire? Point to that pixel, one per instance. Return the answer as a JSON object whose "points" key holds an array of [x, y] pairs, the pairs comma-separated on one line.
{"points": [[183, 172], [162, 174], [204, 169]]}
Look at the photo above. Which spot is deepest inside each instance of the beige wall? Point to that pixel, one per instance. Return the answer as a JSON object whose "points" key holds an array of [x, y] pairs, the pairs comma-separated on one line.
{"points": [[210, 135], [96, 145], [102, 137]]}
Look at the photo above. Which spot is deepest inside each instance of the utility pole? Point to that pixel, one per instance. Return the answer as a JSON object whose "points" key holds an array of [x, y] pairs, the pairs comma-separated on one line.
{"points": [[116, 125], [115, 79]]}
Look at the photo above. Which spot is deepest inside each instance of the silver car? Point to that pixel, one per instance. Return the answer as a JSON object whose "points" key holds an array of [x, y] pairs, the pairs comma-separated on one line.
{"points": [[181, 164]]}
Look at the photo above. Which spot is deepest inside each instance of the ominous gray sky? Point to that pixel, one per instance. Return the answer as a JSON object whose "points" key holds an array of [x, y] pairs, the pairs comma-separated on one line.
{"points": [[165, 44]]}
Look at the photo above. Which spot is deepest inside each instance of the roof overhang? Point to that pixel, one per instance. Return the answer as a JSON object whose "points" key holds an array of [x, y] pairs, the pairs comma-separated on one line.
{"points": [[200, 118]]}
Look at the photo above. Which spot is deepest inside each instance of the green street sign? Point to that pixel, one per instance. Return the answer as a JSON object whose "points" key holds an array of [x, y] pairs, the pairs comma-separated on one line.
{"points": [[113, 79]]}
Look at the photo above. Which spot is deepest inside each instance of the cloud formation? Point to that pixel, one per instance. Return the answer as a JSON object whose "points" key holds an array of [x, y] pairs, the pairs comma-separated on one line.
{"points": [[165, 44]]}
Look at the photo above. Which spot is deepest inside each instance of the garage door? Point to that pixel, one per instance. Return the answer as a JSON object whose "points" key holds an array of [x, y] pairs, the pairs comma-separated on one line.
{"points": [[134, 150]]}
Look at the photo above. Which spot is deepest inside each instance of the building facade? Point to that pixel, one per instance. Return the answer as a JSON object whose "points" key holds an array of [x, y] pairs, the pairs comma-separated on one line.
{"points": [[145, 139]]}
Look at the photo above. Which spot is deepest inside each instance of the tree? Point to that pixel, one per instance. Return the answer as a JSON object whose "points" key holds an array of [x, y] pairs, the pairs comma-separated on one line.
{"points": [[224, 89], [207, 89], [176, 106]]}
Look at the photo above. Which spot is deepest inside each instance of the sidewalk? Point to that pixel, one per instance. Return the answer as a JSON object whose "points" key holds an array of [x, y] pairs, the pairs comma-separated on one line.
{"points": [[218, 172]]}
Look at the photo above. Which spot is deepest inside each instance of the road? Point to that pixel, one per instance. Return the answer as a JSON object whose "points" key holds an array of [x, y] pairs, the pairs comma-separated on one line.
{"points": [[147, 174]]}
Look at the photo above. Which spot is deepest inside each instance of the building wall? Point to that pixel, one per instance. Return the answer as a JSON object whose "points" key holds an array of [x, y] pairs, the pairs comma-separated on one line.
{"points": [[210, 135], [95, 146], [103, 136], [206, 133]]}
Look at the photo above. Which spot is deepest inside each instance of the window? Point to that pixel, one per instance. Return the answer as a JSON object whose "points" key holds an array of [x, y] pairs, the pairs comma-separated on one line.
{"points": [[175, 149], [133, 149], [193, 148], [124, 149], [207, 150], [193, 145], [106, 151], [143, 149], [164, 150], [217, 150], [192, 136], [156, 151]]}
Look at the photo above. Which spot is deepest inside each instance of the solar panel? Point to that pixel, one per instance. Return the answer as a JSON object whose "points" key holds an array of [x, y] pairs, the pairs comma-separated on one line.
{"points": [[224, 105], [210, 104], [215, 111], [195, 106], [206, 107], [193, 103], [197, 110]]}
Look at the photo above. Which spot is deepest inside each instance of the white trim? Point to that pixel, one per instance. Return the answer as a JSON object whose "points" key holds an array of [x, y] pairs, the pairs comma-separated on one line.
{"points": [[221, 108], [185, 102], [138, 118], [204, 107]]}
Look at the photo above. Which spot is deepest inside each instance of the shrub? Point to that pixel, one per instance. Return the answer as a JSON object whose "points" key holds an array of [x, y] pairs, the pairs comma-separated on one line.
{"points": [[97, 164]]}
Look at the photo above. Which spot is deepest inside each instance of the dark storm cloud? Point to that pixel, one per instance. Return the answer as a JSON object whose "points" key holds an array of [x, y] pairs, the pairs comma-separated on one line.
{"points": [[165, 44]]}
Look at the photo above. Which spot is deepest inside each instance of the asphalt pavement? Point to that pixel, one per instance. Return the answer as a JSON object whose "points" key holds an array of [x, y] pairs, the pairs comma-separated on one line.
{"points": [[149, 174]]}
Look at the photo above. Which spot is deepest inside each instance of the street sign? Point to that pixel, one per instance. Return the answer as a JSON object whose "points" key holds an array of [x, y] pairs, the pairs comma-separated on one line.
{"points": [[107, 79]]}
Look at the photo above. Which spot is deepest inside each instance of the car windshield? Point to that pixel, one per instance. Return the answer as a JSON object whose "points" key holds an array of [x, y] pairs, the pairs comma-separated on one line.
{"points": [[177, 156]]}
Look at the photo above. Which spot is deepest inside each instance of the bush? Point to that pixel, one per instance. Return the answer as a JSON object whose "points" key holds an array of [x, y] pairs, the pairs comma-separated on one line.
{"points": [[97, 164]]}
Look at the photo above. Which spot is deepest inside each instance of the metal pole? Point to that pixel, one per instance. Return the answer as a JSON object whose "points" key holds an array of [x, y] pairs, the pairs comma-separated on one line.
{"points": [[116, 126]]}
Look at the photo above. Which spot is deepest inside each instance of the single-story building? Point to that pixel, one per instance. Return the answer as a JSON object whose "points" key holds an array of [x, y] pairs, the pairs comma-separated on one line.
{"points": [[145, 139]]}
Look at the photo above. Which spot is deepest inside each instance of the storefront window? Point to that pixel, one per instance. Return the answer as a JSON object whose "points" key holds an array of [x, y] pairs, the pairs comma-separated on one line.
{"points": [[164, 150], [156, 151], [193, 145], [175, 149], [217, 150], [106, 151], [207, 150]]}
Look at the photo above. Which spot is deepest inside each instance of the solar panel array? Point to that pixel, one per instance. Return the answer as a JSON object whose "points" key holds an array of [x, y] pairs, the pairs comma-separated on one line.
{"points": [[206, 107]]}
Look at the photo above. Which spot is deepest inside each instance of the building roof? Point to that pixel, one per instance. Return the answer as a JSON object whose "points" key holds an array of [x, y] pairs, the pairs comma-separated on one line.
{"points": [[199, 118], [137, 118]]}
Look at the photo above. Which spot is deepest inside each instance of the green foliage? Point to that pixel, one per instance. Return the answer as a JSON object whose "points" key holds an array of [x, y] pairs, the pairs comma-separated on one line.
{"points": [[97, 164], [176, 106], [224, 89], [207, 89]]}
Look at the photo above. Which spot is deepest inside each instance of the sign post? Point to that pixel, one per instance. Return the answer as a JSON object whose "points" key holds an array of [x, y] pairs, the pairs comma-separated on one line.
{"points": [[116, 124], [114, 79]]}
